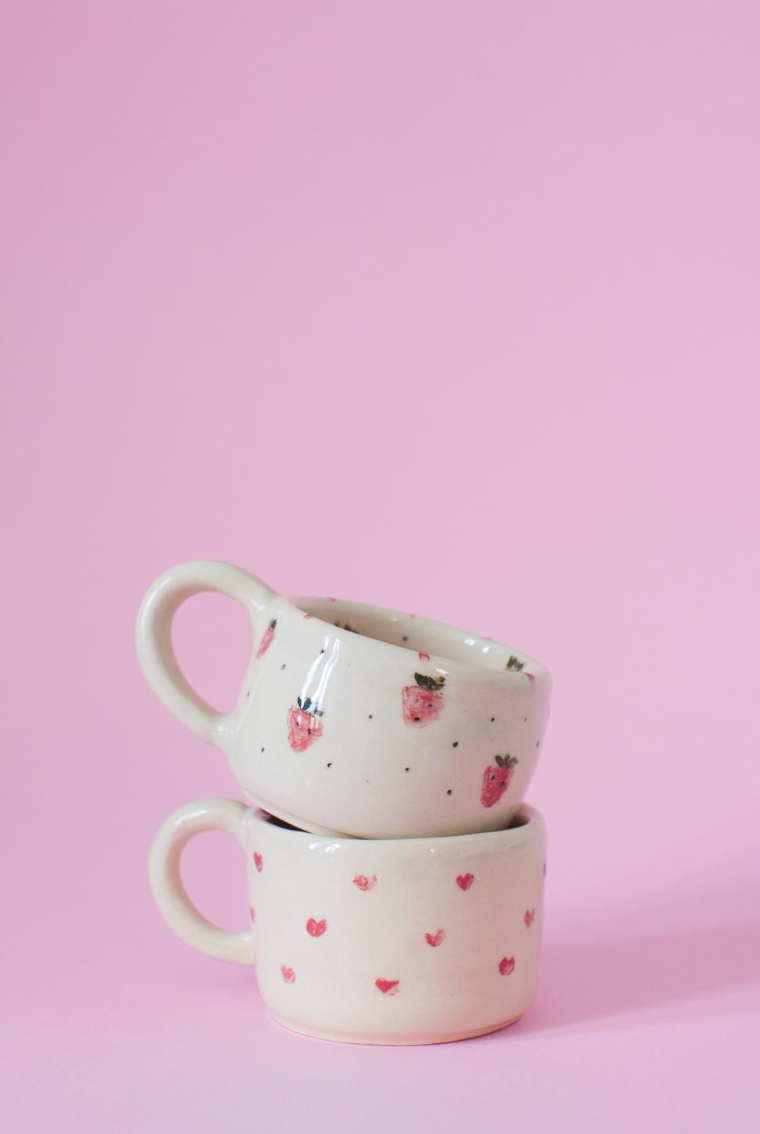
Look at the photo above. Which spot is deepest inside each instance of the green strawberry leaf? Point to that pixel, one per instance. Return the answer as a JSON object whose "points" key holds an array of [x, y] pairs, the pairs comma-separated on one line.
{"points": [[433, 684]]}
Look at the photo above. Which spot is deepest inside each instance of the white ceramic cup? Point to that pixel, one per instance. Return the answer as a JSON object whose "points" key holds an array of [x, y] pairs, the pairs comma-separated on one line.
{"points": [[355, 719], [388, 941]]}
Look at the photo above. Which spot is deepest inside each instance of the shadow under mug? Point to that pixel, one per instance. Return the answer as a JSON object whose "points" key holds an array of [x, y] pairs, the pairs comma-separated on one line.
{"points": [[401, 941], [356, 719]]}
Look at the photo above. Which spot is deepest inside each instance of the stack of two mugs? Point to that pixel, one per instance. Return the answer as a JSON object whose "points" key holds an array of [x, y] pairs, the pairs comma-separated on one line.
{"points": [[395, 875]]}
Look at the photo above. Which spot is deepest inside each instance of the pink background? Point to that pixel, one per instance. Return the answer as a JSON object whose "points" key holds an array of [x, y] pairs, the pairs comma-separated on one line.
{"points": [[448, 307]]}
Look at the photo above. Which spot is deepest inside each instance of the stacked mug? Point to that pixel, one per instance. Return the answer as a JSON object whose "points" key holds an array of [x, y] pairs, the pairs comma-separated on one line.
{"points": [[395, 875]]}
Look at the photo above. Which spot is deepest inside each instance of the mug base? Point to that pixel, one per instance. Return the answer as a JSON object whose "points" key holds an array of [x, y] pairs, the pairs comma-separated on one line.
{"points": [[391, 1041], [292, 821]]}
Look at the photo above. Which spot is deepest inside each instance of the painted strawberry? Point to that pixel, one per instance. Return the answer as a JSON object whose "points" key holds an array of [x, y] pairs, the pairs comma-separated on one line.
{"points": [[529, 918], [436, 938], [304, 725], [288, 975], [388, 986], [464, 881], [316, 928], [258, 861], [507, 966], [424, 657], [423, 702], [252, 912], [497, 779], [518, 666], [362, 882], [266, 641]]}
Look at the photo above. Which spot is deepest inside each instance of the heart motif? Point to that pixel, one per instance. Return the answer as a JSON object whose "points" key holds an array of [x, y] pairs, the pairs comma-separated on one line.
{"points": [[464, 881], [435, 938], [362, 882], [389, 986], [316, 928], [252, 912], [506, 966], [258, 861], [529, 918], [287, 974]]}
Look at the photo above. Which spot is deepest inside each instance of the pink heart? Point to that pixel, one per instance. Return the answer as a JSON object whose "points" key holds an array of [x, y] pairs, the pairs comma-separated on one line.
{"points": [[530, 917], [258, 861], [464, 881], [287, 974], [316, 928], [506, 966], [389, 986], [435, 938], [362, 882]]}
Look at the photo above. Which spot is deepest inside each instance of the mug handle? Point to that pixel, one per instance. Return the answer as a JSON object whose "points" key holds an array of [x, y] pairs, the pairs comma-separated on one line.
{"points": [[169, 892], [155, 651]]}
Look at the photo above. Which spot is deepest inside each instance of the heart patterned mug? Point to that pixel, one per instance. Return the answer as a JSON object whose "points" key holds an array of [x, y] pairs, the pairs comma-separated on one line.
{"points": [[386, 941], [357, 720]]}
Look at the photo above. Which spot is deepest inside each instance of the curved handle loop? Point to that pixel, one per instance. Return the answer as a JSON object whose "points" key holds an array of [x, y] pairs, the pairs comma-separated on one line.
{"points": [[154, 639], [168, 889]]}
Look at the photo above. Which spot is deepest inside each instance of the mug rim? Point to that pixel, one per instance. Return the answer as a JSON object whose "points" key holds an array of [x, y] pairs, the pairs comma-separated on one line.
{"points": [[300, 603], [531, 828]]}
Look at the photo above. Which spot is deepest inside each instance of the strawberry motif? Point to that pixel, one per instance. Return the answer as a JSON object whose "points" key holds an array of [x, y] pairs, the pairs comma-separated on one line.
{"points": [[435, 938], [304, 725], [507, 966], [287, 974], [266, 641], [529, 918], [424, 657], [518, 666], [496, 780], [464, 881], [252, 912], [362, 882], [389, 986], [258, 861], [423, 702], [316, 928]]}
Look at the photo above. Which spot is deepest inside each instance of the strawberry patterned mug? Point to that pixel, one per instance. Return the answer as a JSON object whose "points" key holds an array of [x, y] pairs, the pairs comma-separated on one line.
{"points": [[387, 941], [357, 720]]}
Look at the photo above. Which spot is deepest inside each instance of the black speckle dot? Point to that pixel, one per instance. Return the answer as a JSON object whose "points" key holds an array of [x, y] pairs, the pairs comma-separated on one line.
{"points": [[493, 719], [525, 718], [405, 638], [322, 650], [248, 693], [455, 744], [537, 743], [329, 765], [262, 749], [406, 769], [416, 718], [370, 716], [448, 792], [283, 665]]}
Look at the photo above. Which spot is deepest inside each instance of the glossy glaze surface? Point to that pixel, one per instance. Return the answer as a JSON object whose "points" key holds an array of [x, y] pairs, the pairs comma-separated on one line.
{"points": [[360, 720], [402, 941]]}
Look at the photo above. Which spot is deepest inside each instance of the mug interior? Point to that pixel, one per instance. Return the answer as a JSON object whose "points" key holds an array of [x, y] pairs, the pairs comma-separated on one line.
{"points": [[520, 819], [420, 635]]}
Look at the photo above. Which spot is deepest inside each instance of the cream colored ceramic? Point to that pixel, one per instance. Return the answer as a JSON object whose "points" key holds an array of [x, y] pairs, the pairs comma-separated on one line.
{"points": [[395, 941], [359, 720]]}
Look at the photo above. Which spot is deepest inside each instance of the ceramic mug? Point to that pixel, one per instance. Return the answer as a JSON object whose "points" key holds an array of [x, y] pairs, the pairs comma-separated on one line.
{"points": [[388, 941], [355, 719]]}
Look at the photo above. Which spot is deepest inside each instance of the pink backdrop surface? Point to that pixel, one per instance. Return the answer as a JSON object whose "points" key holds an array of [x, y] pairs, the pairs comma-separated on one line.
{"points": [[451, 308]]}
